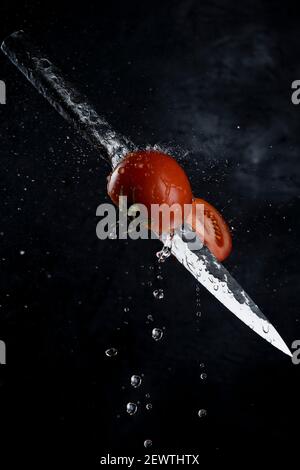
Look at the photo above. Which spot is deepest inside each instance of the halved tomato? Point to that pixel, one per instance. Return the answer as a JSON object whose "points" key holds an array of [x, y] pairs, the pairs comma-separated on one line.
{"points": [[213, 230]]}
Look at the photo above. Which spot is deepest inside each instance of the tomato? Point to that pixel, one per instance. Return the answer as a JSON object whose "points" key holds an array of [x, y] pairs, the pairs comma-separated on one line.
{"points": [[215, 233], [151, 177]]}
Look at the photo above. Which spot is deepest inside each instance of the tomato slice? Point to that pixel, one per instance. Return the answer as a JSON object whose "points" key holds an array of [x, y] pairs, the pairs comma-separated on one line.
{"points": [[212, 230]]}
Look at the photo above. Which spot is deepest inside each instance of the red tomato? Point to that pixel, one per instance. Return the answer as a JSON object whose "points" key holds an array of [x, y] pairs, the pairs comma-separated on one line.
{"points": [[215, 232], [151, 177]]}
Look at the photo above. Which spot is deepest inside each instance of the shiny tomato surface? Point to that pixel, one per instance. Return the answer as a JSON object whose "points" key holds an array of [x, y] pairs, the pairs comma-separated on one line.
{"points": [[151, 177]]}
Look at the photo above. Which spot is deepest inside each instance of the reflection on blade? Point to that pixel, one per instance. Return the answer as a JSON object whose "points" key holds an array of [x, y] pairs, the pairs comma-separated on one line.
{"points": [[217, 280]]}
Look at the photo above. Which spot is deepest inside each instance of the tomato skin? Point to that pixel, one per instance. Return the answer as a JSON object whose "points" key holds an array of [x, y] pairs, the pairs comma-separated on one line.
{"points": [[215, 233], [151, 177]]}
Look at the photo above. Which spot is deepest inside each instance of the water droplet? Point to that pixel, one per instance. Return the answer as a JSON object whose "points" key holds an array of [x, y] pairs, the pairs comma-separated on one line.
{"points": [[157, 334], [131, 408], [266, 327], [135, 381], [203, 376], [163, 254], [149, 406], [158, 294], [147, 443], [202, 413], [202, 365], [45, 63], [111, 352]]}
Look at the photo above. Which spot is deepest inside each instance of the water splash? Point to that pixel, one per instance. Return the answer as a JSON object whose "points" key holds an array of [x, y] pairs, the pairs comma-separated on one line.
{"points": [[198, 302], [72, 105], [166, 251]]}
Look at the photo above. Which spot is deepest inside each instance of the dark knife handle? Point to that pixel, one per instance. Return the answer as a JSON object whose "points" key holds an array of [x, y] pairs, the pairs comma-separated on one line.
{"points": [[71, 104]]}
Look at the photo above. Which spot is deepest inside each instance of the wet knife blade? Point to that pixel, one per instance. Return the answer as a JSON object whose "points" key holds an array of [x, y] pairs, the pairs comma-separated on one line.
{"points": [[202, 264]]}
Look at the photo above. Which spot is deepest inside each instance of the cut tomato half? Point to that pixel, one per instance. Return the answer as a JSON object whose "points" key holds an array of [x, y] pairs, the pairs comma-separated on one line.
{"points": [[212, 229]]}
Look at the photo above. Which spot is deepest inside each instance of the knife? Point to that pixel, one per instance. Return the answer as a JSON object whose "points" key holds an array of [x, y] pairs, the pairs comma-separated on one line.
{"points": [[74, 107]]}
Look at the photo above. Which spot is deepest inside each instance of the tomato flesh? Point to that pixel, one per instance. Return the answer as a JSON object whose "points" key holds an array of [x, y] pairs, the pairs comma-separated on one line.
{"points": [[212, 230], [151, 177]]}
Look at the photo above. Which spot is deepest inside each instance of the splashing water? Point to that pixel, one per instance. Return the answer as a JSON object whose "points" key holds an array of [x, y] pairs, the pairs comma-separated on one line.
{"points": [[163, 254], [166, 251], [71, 104]]}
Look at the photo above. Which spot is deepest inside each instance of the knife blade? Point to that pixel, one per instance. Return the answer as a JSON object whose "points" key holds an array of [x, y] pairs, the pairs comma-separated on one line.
{"points": [[202, 264]]}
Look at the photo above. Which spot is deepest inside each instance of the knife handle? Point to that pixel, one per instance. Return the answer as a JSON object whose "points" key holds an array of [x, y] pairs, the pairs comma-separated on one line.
{"points": [[64, 97]]}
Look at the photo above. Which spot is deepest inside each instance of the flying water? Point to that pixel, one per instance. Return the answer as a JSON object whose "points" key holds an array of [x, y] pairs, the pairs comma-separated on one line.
{"points": [[166, 251]]}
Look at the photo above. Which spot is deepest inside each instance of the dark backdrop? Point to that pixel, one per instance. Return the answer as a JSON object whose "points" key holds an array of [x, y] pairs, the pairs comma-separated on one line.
{"points": [[211, 83]]}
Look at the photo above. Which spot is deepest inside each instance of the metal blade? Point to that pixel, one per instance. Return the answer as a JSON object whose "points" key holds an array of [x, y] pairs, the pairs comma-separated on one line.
{"points": [[219, 282]]}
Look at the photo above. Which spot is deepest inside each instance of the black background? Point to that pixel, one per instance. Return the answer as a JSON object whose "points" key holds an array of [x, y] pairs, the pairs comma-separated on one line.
{"points": [[211, 83]]}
